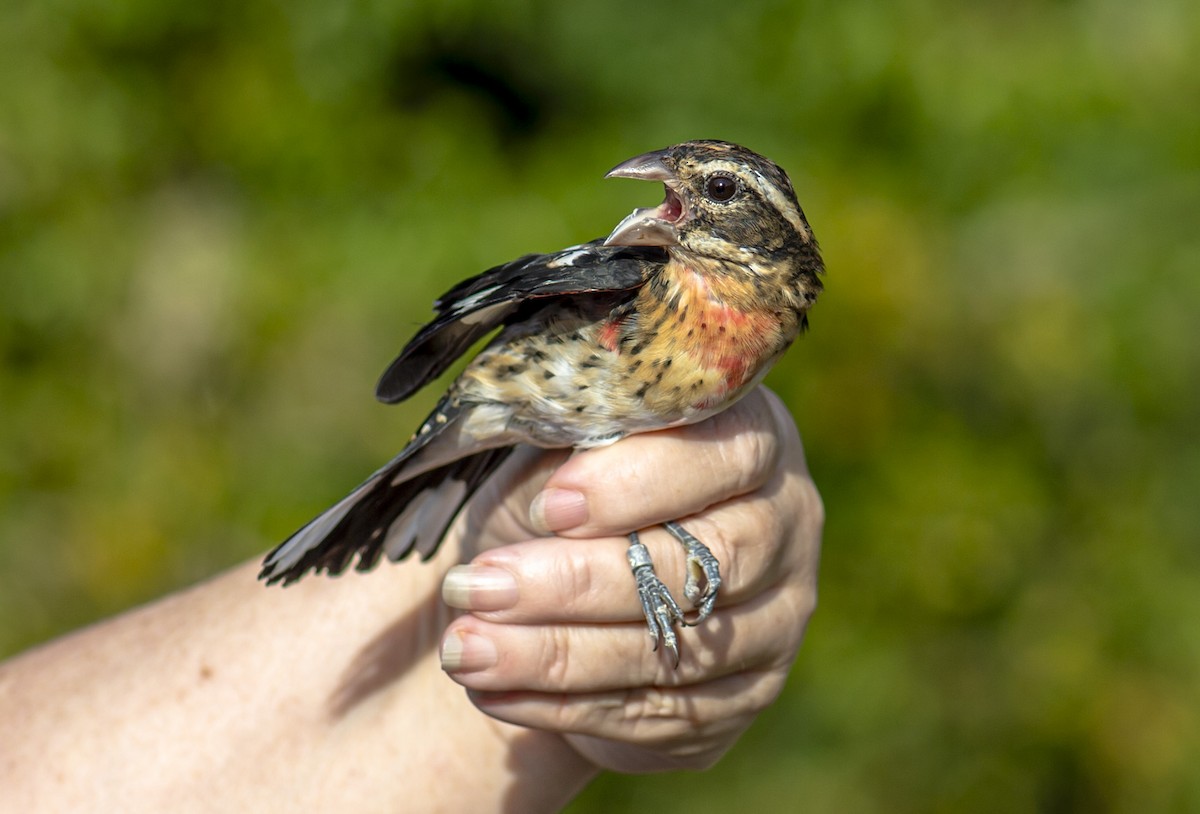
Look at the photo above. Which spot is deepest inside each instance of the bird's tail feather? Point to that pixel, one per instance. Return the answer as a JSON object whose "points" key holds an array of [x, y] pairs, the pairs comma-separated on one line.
{"points": [[383, 516]]}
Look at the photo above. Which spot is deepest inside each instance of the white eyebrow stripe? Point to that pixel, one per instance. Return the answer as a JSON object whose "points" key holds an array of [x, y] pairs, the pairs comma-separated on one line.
{"points": [[786, 208], [770, 192]]}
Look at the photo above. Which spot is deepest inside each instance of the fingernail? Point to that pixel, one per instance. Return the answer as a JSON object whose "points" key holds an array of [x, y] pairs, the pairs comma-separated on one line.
{"points": [[558, 509], [479, 588], [467, 653]]}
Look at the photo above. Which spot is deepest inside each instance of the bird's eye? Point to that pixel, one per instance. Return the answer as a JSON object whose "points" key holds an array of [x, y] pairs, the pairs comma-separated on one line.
{"points": [[720, 187]]}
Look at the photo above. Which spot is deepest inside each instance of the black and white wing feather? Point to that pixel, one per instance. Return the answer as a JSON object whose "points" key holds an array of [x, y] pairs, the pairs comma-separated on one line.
{"points": [[477, 306]]}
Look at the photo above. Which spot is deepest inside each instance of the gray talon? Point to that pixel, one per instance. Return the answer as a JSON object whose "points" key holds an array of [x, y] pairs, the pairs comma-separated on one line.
{"points": [[701, 565], [660, 608]]}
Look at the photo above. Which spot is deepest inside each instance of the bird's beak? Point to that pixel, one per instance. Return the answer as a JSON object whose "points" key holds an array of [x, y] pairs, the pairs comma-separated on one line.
{"points": [[647, 166], [655, 226]]}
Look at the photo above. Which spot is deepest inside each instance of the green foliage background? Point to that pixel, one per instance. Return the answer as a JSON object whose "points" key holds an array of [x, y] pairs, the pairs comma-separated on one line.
{"points": [[219, 221]]}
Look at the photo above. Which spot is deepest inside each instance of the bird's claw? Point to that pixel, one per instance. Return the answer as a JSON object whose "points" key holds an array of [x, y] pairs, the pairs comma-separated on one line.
{"points": [[660, 608], [702, 567]]}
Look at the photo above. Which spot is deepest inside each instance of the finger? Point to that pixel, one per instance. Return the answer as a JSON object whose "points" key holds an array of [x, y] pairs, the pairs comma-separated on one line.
{"points": [[681, 721], [763, 634], [759, 539], [647, 479]]}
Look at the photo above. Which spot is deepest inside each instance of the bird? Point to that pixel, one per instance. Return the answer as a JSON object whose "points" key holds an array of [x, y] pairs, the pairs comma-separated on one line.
{"points": [[675, 315]]}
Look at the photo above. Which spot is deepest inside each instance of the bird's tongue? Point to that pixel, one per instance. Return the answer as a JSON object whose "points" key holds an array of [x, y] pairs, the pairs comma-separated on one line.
{"points": [[671, 209], [650, 226]]}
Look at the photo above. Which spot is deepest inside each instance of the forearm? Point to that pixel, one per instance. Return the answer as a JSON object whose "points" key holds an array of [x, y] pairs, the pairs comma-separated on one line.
{"points": [[230, 696]]}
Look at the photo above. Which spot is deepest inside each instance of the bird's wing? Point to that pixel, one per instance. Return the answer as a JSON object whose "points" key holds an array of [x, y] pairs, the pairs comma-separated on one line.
{"points": [[405, 506], [479, 305]]}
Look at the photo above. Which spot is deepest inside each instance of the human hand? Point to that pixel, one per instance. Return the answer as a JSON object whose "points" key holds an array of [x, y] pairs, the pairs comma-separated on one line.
{"points": [[555, 639]]}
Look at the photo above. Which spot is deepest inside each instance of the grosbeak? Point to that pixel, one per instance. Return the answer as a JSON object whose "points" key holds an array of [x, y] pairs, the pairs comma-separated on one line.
{"points": [[674, 316]]}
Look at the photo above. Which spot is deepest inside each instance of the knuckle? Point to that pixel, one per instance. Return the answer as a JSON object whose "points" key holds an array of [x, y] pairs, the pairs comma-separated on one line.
{"points": [[652, 707], [759, 452], [721, 538], [814, 507], [798, 603], [807, 603], [603, 712], [749, 550], [804, 534], [576, 580], [767, 689], [682, 730], [555, 657], [750, 452]]}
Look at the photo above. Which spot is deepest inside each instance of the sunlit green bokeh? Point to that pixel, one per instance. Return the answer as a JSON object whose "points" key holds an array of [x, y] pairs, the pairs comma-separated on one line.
{"points": [[219, 221]]}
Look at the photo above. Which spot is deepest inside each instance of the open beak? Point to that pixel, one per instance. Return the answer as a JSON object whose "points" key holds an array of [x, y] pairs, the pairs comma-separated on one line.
{"points": [[656, 226]]}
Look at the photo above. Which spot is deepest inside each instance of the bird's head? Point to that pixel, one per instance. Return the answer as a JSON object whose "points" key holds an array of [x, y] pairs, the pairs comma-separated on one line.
{"points": [[722, 201]]}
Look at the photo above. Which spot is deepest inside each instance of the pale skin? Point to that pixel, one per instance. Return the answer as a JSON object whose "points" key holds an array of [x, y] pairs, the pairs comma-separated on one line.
{"points": [[344, 694]]}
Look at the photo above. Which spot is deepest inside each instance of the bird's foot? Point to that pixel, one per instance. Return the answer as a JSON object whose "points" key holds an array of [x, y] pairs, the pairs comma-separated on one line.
{"points": [[702, 566], [660, 608]]}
